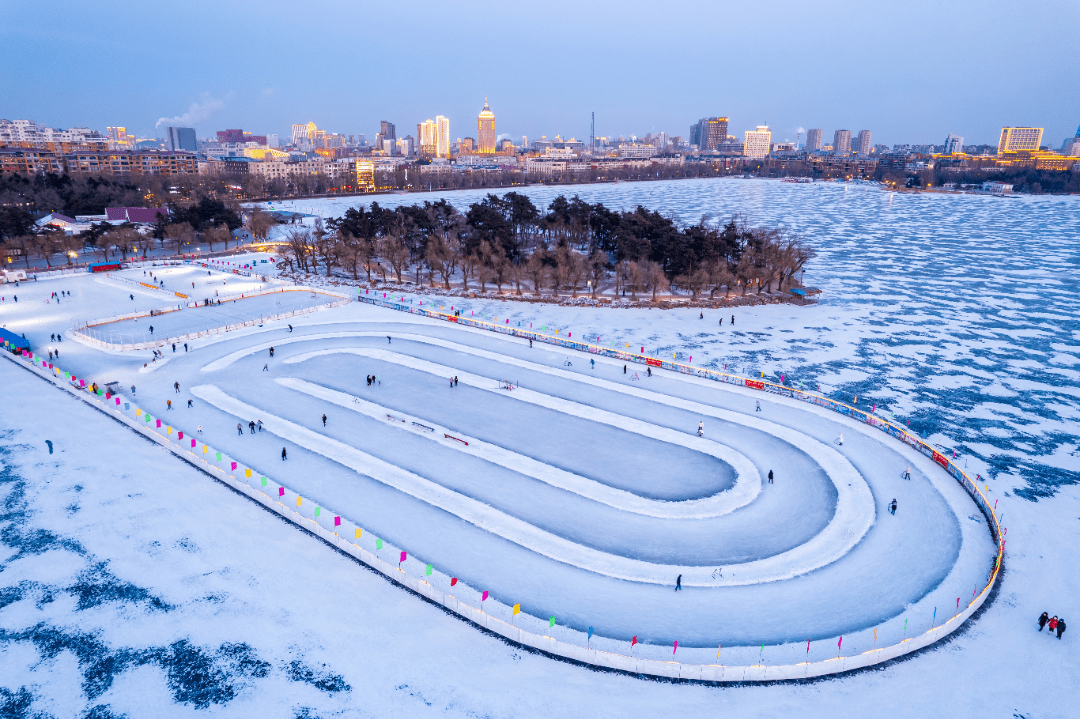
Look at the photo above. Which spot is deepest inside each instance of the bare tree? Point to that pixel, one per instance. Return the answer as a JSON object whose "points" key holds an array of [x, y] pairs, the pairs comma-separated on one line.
{"points": [[217, 233], [654, 279], [536, 268], [298, 245], [393, 249], [179, 234], [575, 270], [597, 266], [259, 223]]}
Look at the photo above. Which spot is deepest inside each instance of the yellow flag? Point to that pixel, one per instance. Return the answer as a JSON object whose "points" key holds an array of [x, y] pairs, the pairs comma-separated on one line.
{"points": [[205, 449], [517, 609], [299, 501], [138, 412], [168, 430], [247, 473], [358, 532]]}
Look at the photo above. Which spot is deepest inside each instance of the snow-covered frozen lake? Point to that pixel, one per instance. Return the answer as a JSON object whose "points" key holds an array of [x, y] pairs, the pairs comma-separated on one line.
{"points": [[584, 492]]}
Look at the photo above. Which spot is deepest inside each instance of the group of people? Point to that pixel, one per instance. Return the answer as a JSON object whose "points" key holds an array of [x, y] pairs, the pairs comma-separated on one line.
{"points": [[56, 295], [253, 424], [372, 379], [1056, 624]]}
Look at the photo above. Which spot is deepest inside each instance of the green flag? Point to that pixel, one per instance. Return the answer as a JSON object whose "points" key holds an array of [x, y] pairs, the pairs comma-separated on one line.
{"points": [[427, 572], [551, 622], [219, 456], [378, 544], [318, 511], [264, 481]]}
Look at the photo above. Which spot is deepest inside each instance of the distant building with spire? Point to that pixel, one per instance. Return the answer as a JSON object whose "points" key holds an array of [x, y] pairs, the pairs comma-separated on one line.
{"points": [[485, 132]]}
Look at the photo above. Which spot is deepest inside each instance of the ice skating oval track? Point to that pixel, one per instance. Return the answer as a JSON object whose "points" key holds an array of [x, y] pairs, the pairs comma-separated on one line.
{"points": [[583, 493]]}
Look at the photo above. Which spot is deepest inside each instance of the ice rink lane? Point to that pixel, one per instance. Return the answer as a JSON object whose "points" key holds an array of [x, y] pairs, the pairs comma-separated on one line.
{"points": [[782, 566], [718, 505]]}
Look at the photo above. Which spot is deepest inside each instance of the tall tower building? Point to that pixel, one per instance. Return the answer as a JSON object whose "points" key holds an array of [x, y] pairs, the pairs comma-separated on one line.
{"points": [[714, 132], [862, 143], [841, 143], [953, 144], [758, 142], [442, 136], [387, 134], [427, 133], [813, 140], [485, 130], [1016, 139]]}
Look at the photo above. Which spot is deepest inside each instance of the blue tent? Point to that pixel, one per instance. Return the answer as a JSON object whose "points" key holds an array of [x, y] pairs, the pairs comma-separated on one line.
{"points": [[14, 341]]}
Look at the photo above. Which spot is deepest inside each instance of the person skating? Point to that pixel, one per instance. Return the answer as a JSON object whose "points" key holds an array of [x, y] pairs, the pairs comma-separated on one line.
{"points": [[169, 405], [648, 371], [1060, 627], [733, 320], [151, 329], [324, 420], [700, 429], [266, 367], [284, 456], [455, 381], [757, 405], [678, 583], [185, 346], [199, 429], [592, 364], [624, 369], [132, 390], [721, 321], [132, 297], [271, 351], [388, 340], [176, 386], [259, 425], [770, 476], [1052, 624], [892, 507], [251, 426], [840, 440], [701, 315], [290, 328], [239, 429], [530, 344], [907, 472], [189, 403], [1043, 619]]}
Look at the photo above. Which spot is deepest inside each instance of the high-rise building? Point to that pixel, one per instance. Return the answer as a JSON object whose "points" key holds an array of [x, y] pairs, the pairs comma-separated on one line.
{"points": [[386, 137], [757, 142], [272, 141], [708, 133], [841, 142], [119, 139], [1071, 146], [442, 136], [304, 136], [181, 138], [485, 130], [954, 144], [862, 143], [428, 132], [1016, 139], [813, 140]]}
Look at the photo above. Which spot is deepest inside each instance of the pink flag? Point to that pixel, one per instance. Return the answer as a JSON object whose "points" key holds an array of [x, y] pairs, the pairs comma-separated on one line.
{"points": [[232, 465], [192, 443], [281, 491], [676, 648], [807, 646], [180, 435], [337, 521], [403, 556], [484, 597], [839, 643]]}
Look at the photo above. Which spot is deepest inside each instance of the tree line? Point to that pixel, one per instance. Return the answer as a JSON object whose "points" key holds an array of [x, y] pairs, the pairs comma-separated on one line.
{"points": [[570, 247]]}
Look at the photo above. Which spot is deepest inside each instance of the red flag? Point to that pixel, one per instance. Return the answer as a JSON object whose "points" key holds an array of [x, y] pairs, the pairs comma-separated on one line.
{"points": [[633, 642], [453, 581]]}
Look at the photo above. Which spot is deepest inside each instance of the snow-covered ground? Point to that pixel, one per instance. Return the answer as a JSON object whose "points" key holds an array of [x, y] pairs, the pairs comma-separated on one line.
{"points": [[150, 583]]}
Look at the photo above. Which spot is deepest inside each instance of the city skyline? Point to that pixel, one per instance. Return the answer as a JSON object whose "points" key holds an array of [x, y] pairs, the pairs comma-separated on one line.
{"points": [[889, 89]]}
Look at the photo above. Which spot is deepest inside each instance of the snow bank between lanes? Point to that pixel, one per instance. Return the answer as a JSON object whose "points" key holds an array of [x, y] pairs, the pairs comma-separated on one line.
{"points": [[717, 505]]}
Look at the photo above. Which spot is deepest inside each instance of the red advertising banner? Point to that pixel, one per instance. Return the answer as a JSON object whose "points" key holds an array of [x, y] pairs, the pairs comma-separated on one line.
{"points": [[941, 459], [755, 384], [653, 362]]}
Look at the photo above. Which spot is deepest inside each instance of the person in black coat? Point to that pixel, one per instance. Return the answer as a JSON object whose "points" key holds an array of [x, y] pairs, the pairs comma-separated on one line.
{"points": [[1060, 627], [1043, 619]]}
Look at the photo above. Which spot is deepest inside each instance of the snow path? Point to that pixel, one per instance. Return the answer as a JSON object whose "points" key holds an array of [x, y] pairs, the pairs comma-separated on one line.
{"points": [[714, 506], [787, 565]]}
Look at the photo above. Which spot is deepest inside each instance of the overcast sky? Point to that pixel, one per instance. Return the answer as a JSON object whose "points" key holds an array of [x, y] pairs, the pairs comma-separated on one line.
{"points": [[909, 70]]}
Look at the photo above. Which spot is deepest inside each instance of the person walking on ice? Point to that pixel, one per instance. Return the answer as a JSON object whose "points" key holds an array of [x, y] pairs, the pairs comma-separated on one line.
{"points": [[199, 429], [251, 426], [284, 456], [266, 367], [1060, 627], [324, 420], [840, 439], [907, 472], [239, 428], [700, 429], [892, 506], [169, 405], [1043, 619], [176, 386], [592, 364], [770, 477], [757, 405], [678, 583], [189, 403]]}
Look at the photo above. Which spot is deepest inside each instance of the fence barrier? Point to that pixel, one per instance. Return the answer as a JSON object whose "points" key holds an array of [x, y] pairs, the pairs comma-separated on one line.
{"points": [[295, 511]]}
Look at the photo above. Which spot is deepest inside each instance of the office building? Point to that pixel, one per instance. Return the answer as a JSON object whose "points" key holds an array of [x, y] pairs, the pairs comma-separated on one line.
{"points": [[862, 143], [954, 144], [1071, 146], [485, 130], [442, 136], [272, 141], [181, 138], [813, 140], [841, 142], [708, 133], [386, 139], [119, 139], [1018, 139], [303, 136], [757, 142]]}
